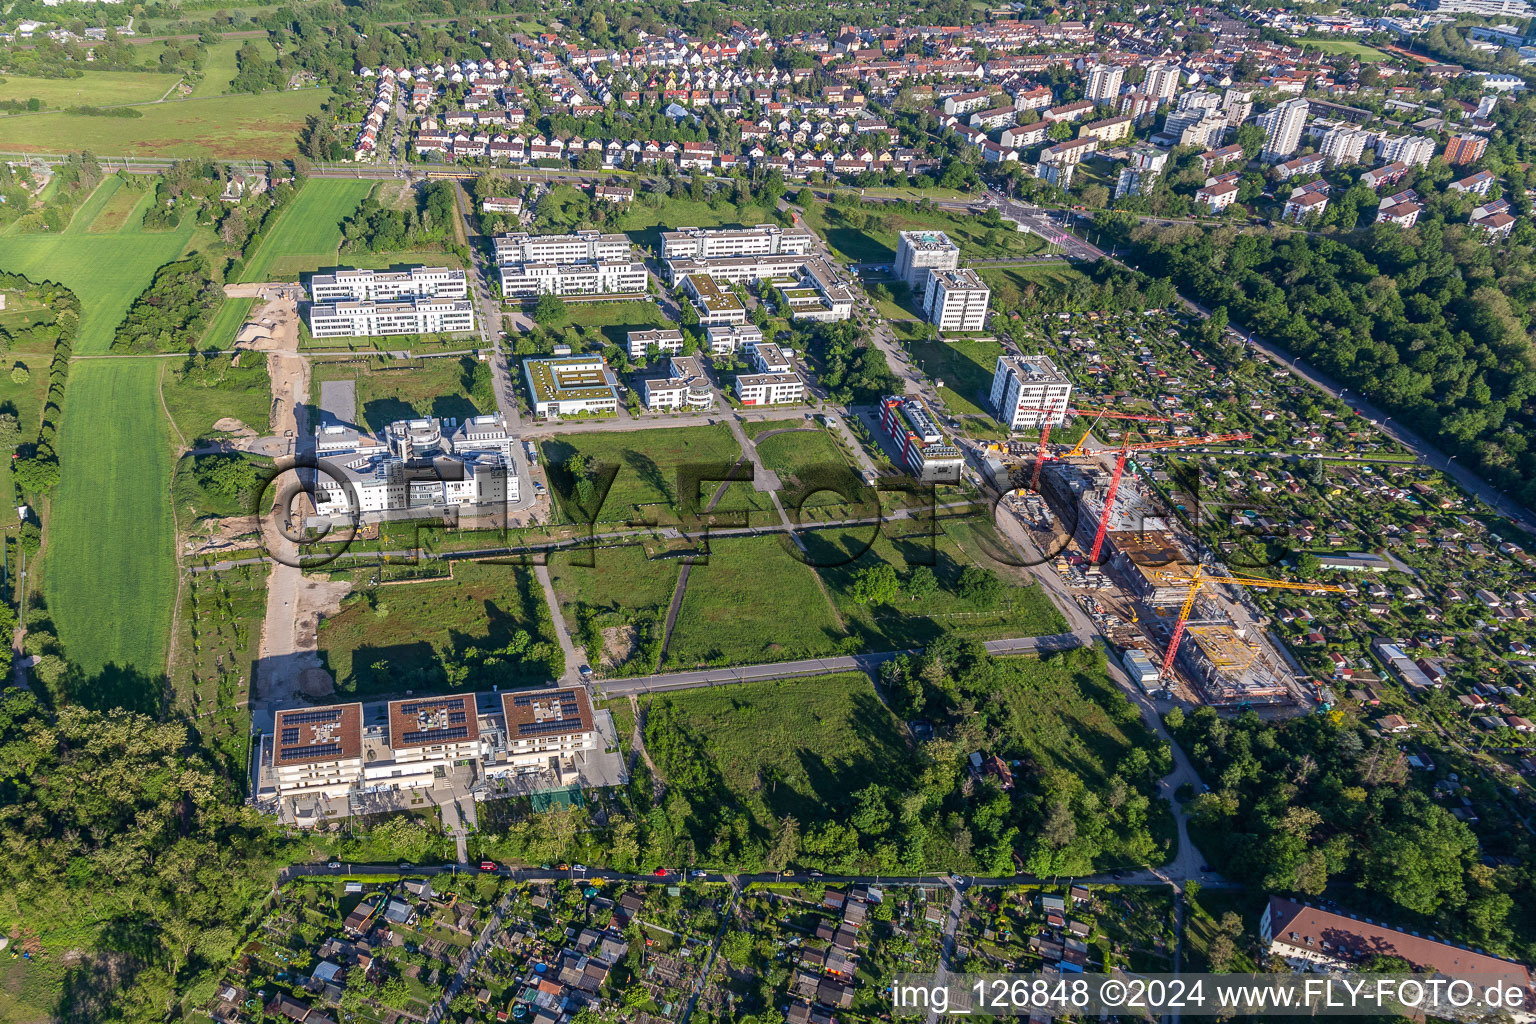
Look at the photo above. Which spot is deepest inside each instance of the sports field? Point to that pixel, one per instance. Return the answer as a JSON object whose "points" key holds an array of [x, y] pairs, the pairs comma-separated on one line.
{"points": [[230, 127], [1348, 47], [107, 271], [308, 231], [95, 88], [110, 567]]}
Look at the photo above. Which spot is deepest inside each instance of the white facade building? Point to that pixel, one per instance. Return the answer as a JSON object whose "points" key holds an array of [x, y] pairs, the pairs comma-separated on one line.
{"points": [[1282, 129], [571, 386], [956, 300], [381, 319], [684, 387], [1343, 146], [770, 388], [1104, 83], [1028, 391], [389, 286], [667, 342], [919, 252], [762, 240], [599, 277], [1407, 149]]}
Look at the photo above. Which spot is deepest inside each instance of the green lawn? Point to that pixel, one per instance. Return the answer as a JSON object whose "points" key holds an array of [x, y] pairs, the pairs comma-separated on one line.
{"points": [[107, 272], [394, 638], [609, 323], [965, 367], [752, 602], [812, 469], [226, 323], [227, 127], [796, 748], [647, 464], [88, 211], [24, 401], [308, 230], [220, 67], [125, 206], [110, 570], [1055, 276], [625, 594], [94, 88]]}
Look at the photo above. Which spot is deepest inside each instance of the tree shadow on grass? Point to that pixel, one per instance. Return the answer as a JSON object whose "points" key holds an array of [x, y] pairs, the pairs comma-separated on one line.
{"points": [[118, 686]]}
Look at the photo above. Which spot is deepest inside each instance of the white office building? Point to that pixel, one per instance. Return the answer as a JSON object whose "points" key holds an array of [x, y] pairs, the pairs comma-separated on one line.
{"points": [[571, 386], [578, 247], [770, 388], [1028, 391], [389, 285], [717, 243], [598, 277], [684, 387], [420, 466], [919, 252], [732, 338], [667, 342], [1282, 129], [381, 319], [956, 300]]}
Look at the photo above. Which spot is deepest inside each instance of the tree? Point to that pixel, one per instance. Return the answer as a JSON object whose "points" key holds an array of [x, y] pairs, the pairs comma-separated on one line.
{"points": [[876, 584], [980, 585], [786, 845], [10, 432], [550, 310], [921, 583], [20, 374]]}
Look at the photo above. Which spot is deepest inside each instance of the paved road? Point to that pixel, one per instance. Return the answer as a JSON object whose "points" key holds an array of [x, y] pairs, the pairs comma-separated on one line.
{"points": [[867, 662]]}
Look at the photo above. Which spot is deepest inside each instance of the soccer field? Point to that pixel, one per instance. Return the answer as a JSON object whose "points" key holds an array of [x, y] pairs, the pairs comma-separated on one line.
{"points": [[109, 566], [308, 231]]}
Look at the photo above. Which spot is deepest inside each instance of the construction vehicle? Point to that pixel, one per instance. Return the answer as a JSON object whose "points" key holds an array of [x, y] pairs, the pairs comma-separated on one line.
{"points": [[1199, 578]]}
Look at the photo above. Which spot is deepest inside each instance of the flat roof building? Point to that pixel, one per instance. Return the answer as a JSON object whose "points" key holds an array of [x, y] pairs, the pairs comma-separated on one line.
{"points": [[389, 285], [684, 387], [770, 388], [385, 319], [956, 300], [318, 751], [1029, 390], [571, 385], [716, 306], [666, 340], [920, 252], [546, 725], [714, 243], [930, 458]]}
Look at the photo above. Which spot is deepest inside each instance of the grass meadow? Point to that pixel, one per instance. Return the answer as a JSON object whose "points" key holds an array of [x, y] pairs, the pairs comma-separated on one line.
{"points": [[819, 740], [94, 88], [965, 367], [107, 271], [237, 126], [647, 464], [110, 567], [871, 237], [308, 230], [750, 602]]}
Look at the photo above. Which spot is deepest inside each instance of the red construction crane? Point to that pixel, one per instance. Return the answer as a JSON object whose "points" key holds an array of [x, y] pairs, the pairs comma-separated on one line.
{"points": [[1114, 481], [1045, 431]]}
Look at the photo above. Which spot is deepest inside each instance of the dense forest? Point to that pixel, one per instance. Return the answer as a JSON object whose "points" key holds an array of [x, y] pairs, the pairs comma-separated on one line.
{"points": [[427, 223], [170, 314], [1431, 323], [1314, 804]]}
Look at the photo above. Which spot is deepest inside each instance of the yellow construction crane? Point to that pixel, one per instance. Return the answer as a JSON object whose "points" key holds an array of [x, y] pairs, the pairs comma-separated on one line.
{"points": [[1199, 579]]}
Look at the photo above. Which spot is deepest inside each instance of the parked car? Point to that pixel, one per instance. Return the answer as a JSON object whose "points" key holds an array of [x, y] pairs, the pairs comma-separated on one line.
{"points": [[487, 865]]}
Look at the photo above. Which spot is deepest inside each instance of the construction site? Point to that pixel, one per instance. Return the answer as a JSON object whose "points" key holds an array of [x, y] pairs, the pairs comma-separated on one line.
{"points": [[1132, 566]]}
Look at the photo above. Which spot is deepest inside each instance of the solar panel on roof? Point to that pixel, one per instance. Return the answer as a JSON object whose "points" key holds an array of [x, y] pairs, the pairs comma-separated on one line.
{"points": [[290, 735], [424, 736], [322, 750], [540, 728], [305, 717]]}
